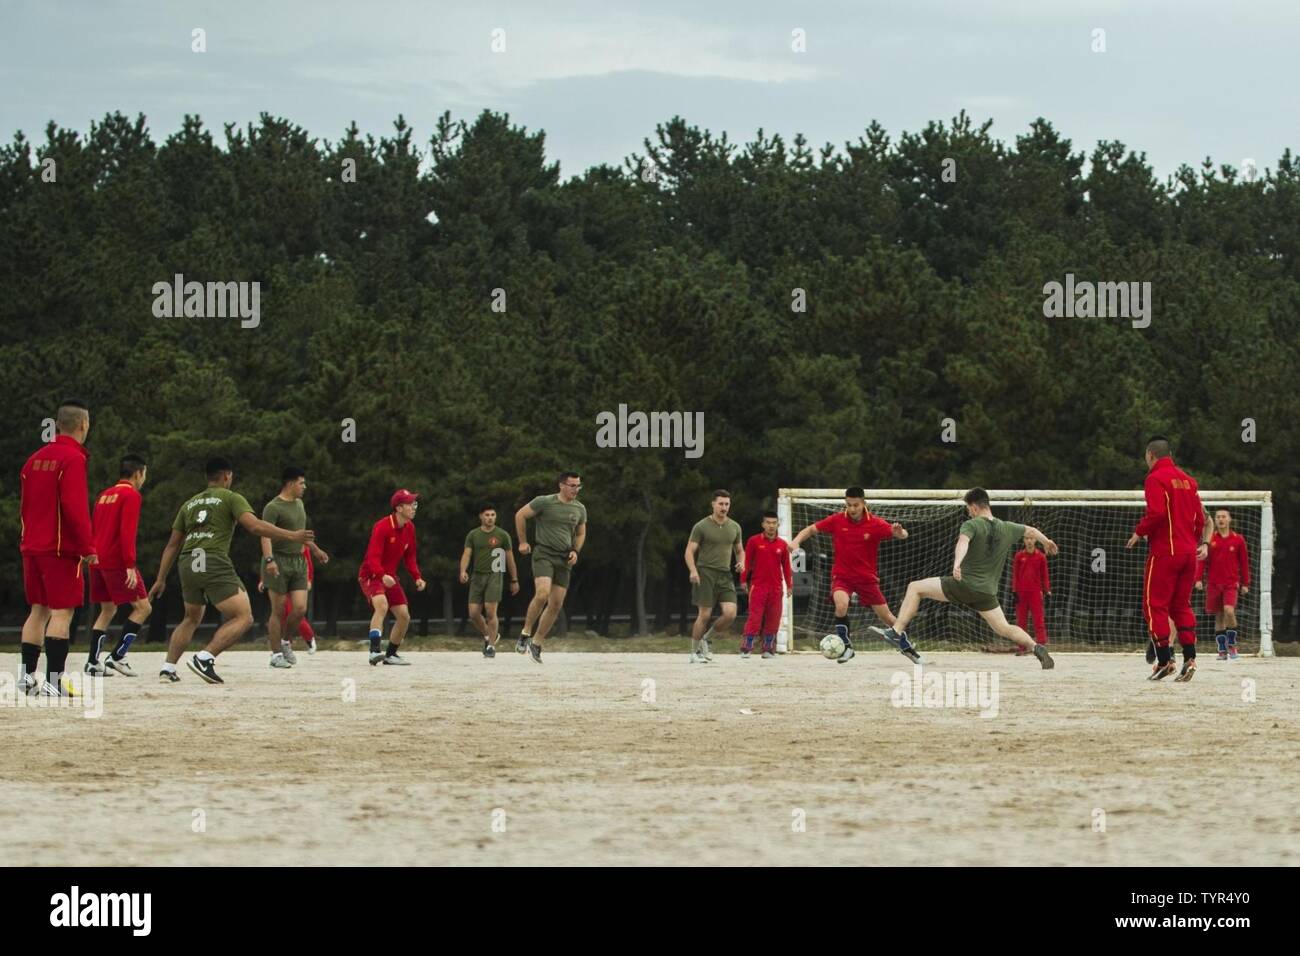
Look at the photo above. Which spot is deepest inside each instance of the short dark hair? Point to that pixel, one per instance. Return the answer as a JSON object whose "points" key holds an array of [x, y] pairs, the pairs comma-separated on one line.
{"points": [[720, 493], [291, 473], [216, 466], [131, 465], [771, 514], [855, 492], [978, 497], [566, 475], [483, 508], [1158, 445], [71, 413]]}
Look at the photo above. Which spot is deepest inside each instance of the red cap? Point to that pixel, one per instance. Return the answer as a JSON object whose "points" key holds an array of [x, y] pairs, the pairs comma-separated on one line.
{"points": [[403, 497]]}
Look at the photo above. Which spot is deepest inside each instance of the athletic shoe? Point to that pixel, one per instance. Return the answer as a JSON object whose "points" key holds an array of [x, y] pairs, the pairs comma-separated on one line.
{"points": [[696, 659], [892, 637], [28, 684], [768, 655], [279, 660], [848, 654], [705, 651], [95, 669], [1044, 658], [205, 669], [535, 650], [521, 645], [1188, 671], [169, 677], [122, 667], [1161, 671], [63, 689], [311, 644], [376, 657], [488, 649], [744, 655], [1151, 652], [393, 659], [1232, 654], [287, 649]]}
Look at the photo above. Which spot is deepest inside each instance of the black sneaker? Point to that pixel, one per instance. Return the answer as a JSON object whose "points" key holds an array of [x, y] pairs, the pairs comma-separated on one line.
{"points": [[1161, 671], [536, 651], [1044, 658], [205, 669], [1151, 652], [521, 645], [488, 649], [169, 677]]}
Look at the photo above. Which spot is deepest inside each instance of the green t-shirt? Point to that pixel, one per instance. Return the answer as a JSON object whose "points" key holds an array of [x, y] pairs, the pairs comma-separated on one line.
{"points": [[990, 542], [484, 547], [717, 543], [556, 521], [208, 520], [289, 515]]}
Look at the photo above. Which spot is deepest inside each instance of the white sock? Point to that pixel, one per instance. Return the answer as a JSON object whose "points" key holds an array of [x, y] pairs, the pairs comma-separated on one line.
{"points": [[205, 656], [169, 668]]}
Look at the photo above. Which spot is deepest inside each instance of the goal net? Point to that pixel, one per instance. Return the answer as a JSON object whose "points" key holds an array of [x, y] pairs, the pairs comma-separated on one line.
{"points": [[1096, 584]]}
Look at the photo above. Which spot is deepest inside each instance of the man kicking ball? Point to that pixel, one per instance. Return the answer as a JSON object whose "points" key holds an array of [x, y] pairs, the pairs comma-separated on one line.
{"points": [[978, 560]]}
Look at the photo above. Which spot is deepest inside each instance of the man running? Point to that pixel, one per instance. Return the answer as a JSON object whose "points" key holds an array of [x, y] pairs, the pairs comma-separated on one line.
{"points": [[392, 541], [560, 530], [116, 580]]}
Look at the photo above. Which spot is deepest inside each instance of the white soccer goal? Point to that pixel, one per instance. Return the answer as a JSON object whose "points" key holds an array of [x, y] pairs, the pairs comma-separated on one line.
{"points": [[1096, 602]]}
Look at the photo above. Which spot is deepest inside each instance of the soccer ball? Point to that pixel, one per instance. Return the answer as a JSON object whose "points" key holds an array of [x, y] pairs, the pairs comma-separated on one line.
{"points": [[832, 646]]}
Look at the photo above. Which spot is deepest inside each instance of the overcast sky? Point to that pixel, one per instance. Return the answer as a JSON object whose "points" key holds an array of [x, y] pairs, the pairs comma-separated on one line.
{"points": [[1180, 79]]}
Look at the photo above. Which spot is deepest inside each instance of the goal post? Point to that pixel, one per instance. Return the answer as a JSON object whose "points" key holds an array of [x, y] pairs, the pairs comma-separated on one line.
{"points": [[1096, 583]]}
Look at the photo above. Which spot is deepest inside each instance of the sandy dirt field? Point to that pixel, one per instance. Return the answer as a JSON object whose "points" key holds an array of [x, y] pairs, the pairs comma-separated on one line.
{"points": [[608, 759]]}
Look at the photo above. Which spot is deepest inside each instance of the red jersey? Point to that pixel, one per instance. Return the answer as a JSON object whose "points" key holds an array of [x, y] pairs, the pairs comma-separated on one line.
{"points": [[390, 544], [1174, 519], [116, 518], [311, 569], [55, 509], [1029, 572], [857, 543], [767, 561], [1228, 561]]}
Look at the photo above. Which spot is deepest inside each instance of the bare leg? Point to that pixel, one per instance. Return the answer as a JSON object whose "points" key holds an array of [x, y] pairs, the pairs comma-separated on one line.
{"points": [[401, 621], [1004, 628], [492, 626], [275, 625], [541, 595], [476, 618], [184, 632], [925, 588], [237, 618], [727, 615], [297, 611], [554, 601], [884, 613]]}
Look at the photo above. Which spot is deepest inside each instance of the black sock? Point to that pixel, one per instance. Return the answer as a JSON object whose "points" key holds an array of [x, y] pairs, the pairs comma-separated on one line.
{"points": [[56, 655], [1189, 652], [31, 656], [843, 622], [392, 649], [130, 630], [97, 639], [1164, 654]]}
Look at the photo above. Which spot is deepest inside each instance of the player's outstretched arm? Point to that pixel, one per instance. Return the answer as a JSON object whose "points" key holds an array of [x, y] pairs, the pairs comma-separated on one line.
{"points": [[521, 528], [959, 552], [165, 563], [255, 525], [802, 536], [1048, 544]]}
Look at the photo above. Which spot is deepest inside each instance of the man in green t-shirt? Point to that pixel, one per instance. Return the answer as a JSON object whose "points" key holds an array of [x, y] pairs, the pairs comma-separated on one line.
{"points": [[559, 530], [978, 562], [709, 552], [284, 566], [489, 549], [201, 535]]}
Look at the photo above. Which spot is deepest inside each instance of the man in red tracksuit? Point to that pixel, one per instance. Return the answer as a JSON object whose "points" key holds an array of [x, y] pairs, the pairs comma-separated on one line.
{"points": [[1029, 581], [767, 564], [392, 540], [116, 580], [56, 538], [1229, 565], [1175, 528]]}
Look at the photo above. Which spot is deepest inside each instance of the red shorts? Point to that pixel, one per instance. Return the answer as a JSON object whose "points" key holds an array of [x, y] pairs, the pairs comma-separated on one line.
{"points": [[109, 584], [868, 589], [1219, 596], [53, 581], [373, 587]]}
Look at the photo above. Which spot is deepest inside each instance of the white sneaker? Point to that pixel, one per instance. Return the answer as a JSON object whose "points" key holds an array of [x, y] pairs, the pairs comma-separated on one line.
{"points": [[287, 649], [705, 653], [311, 644], [28, 684], [118, 667], [96, 669], [279, 660]]}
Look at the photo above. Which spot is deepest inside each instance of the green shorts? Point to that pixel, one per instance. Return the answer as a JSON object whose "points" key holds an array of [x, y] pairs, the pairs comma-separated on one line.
{"points": [[213, 585], [292, 576], [716, 586], [959, 592], [485, 587], [551, 564]]}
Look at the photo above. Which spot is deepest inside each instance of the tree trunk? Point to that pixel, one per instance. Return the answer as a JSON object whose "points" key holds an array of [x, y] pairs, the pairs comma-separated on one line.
{"points": [[638, 619]]}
